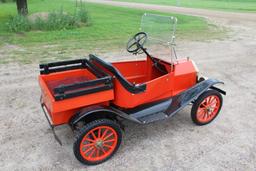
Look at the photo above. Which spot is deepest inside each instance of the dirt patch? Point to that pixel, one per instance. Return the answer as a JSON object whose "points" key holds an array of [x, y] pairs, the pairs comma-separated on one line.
{"points": [[42, 15]]}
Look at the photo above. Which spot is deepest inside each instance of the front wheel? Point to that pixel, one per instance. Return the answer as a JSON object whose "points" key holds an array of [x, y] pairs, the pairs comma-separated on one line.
{"points": [[206, 107], [97, 141]]}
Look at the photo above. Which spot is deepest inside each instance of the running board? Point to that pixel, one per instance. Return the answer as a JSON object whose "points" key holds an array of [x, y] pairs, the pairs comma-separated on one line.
{"points": [[153, 117]]}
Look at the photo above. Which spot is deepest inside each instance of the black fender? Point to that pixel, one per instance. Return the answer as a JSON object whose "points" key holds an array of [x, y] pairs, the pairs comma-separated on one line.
{"points": [[214, 82], [219, 90], [98, 112], [181, 100]]}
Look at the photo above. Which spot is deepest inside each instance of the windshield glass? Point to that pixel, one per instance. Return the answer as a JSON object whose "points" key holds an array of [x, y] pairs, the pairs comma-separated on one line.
{"points": [[161, 34]]}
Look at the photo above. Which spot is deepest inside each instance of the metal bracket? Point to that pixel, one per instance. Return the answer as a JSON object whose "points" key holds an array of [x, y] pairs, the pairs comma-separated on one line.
{"points": [[50, 124]]}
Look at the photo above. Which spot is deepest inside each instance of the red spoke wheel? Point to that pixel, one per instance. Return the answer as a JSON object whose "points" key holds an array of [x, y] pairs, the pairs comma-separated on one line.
{"points": [[206, 107], [97, 141]]}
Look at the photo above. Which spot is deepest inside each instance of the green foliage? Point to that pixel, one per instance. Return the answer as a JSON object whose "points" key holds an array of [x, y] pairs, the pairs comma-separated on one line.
{"points": [[18, 23], [58, 20], [82, 15], [111, 26], [4, 1], [55, 21]]}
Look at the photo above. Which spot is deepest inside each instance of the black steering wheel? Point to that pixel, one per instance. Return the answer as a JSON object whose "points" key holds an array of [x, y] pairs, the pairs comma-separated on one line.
{"points": [[135, 44]]}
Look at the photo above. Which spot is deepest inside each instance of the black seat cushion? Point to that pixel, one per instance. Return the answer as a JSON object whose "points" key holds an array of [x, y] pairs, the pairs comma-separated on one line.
{"points": [[135, 89]]}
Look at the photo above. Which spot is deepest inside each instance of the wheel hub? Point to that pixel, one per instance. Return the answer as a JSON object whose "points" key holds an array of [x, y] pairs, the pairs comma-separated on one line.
{"points": [[209, 109], [99, 143]]}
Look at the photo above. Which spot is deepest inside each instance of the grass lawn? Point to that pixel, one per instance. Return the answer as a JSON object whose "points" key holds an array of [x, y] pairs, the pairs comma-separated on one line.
{"points": [[111, 27], [230, 5]]}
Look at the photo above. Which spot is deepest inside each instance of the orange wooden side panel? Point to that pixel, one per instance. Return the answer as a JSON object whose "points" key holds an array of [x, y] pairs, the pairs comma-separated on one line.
{"points": [[61, 111], [158, 86], [185, 76]]}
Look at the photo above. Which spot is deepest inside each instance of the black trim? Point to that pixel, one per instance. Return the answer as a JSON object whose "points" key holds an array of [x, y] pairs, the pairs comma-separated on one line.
{"points": [[83, 92], [62, 66], [62, 88], [97, 71], [135, 89]]}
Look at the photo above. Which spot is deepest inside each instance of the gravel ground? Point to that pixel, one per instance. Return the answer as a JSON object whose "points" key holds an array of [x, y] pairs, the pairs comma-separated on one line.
{"points": [[228, 143]]}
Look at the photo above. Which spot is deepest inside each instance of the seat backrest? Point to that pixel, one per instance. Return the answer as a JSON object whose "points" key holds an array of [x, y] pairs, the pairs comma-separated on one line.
{"points": [[135, 89]]}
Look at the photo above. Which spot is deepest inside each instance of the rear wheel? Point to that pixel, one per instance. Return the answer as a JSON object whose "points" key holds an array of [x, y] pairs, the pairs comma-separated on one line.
{"points": [[97, 141], [206, 107]]}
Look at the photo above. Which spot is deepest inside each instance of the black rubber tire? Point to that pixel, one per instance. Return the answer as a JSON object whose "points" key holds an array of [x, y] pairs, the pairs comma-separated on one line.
{"points": [[199, 101], [85, 129]]}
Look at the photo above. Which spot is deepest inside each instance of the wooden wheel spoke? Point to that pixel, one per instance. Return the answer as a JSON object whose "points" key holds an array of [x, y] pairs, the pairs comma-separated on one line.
{"points": [[88, 150], [88, 145], [106, 137], [204, 105], [209, 99], [93, 135], [111, 140], [99, 132], [216, 107], [90, 140], [109, 146], [104, 133], [205, 116], [200, 109], [214, 102], [97, 152], [103, 150], [93, 152], [201, 115]]}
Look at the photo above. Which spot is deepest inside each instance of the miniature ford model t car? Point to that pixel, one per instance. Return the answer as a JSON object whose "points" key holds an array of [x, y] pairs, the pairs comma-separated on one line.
{"points": [[93, 96]]}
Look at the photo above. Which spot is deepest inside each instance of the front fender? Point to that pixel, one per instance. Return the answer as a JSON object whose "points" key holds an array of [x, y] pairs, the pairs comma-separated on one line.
{"points": [[213, 82], [181, 100]]}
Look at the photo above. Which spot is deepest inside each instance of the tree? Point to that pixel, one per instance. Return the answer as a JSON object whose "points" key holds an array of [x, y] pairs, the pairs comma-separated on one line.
{"points": [[22, 7]]}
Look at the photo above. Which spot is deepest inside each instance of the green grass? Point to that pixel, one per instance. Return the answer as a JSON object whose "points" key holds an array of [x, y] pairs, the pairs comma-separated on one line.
{"points": [[229, 5], [110, 28]]}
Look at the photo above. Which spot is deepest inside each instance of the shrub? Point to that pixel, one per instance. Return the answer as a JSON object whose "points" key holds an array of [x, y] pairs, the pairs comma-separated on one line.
{"points": [[57, 20], [19, 23], [82, 15]]}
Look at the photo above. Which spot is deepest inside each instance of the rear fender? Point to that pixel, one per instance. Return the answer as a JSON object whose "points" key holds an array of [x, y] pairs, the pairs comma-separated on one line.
{"points": [[91, 113]]}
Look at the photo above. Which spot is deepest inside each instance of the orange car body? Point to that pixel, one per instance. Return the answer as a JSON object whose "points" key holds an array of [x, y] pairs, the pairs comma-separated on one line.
{"points": [[179, 76]]}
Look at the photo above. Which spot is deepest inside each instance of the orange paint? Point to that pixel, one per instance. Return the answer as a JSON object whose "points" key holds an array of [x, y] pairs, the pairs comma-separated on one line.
{"points": [[159, 86]]}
